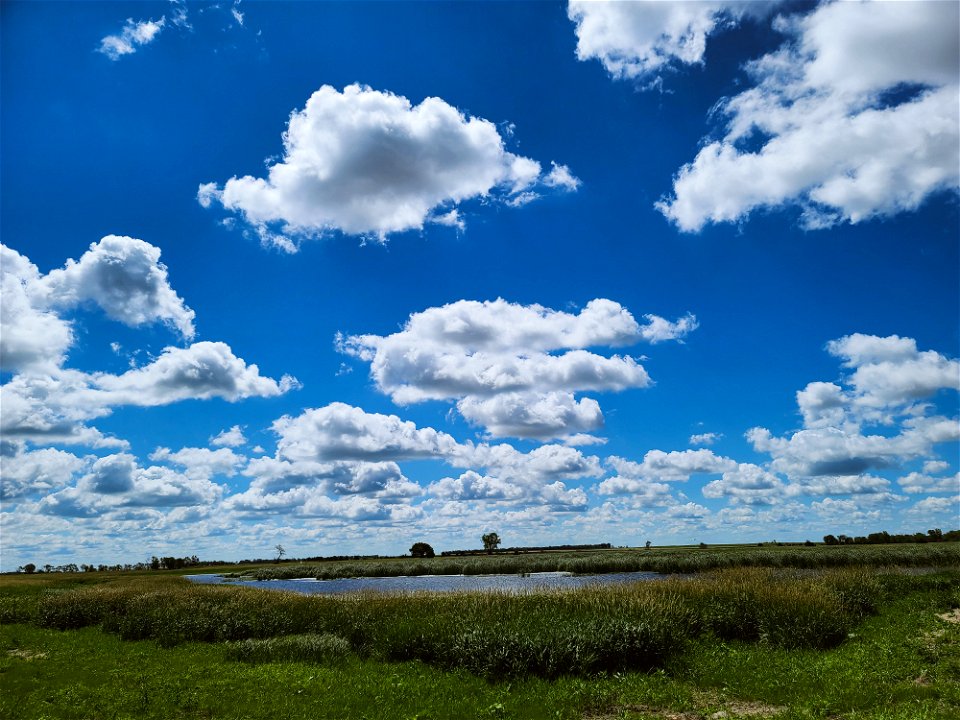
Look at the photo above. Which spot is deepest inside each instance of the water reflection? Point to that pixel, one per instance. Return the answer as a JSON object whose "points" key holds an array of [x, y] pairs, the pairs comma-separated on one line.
{"points": [[434, 583]]}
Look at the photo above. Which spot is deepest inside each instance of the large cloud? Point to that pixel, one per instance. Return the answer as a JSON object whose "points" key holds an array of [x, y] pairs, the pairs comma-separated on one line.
{"points": [[532, 415], [46, 403], [123, 276], [360, 490], [202, 371], [748, 484], [890, 379], [343, 432], [53, 407], [638, 40], [367, 162], [36, 472], [33, 335], [513, 369], [675, 466], [117, 481], [340, 450], [891, 372], [857, 116]]}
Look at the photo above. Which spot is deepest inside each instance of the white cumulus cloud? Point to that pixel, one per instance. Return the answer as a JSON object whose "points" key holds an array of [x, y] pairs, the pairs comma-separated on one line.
{"points": [[122, 276], [231, 438], [639, 40], [371, 163], [45, 402], [43, 471], [513, 369], [125, 278], [674, 466], [343, 432], [857, 115], [116, 482]]}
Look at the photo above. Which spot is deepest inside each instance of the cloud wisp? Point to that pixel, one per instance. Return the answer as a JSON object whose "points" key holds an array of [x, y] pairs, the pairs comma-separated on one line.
{"points": [[131, 37]]}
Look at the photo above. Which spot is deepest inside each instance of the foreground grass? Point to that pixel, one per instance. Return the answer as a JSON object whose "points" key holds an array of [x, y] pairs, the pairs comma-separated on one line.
{"points": [[902, 663], [857, 643]]}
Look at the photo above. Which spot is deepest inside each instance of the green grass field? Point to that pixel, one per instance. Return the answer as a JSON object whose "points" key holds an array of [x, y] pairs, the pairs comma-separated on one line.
{"points": [[851, 642]]}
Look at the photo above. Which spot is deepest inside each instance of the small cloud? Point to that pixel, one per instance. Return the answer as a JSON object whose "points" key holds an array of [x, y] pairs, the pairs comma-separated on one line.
{"points": [[133, 35], [708, 438], [450, 219], [229, 438], [561, 177]]}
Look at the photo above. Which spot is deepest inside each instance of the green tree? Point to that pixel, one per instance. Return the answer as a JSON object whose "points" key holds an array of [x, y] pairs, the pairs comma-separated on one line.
{"points": [[490, 542], [29, 568], [422, 550]]}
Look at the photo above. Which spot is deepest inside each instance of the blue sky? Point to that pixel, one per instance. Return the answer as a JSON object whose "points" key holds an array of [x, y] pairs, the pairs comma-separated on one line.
{"points": [[347, 276]]}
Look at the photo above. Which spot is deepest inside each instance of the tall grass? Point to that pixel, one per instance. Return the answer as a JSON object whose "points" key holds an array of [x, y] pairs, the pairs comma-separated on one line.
{"points": [[547, 634], [309, 647], [661, 561]]}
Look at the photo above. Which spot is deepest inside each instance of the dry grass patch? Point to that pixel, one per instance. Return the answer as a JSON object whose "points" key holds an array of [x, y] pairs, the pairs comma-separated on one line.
{"points": [[26, 654], [951, 617], [706, 704]]}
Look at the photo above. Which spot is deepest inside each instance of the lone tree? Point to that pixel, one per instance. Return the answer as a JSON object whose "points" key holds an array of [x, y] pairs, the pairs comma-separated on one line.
{"points": [[490, 542], [421, 550], [280, 552]]}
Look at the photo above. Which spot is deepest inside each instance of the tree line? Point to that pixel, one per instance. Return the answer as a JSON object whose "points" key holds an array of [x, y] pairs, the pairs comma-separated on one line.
{"points": [[883, 537]]}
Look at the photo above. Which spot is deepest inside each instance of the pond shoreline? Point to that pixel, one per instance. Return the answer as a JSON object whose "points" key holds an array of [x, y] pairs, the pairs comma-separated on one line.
{"points": [[444, 583]]}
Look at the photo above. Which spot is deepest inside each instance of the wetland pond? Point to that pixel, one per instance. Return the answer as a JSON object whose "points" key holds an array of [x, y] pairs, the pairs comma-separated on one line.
{"points": [[433, 583]]}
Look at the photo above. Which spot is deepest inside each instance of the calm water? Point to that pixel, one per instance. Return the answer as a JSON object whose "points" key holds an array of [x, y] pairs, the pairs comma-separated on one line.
{"points": [[434, 583]]}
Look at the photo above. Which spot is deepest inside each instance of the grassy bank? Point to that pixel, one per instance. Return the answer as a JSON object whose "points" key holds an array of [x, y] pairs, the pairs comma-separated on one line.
{"points": [[686, 560], [751, 643]]}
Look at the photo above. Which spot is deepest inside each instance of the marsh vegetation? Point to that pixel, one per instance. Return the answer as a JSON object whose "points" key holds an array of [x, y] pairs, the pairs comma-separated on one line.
{"points": [[733, 635]]}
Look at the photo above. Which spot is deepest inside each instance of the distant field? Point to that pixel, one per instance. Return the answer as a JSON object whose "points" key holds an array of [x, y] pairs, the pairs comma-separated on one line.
{"points": [[689, 559]]}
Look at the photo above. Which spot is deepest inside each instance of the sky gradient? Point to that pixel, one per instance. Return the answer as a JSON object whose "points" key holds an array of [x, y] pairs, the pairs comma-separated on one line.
{"points": [[349, 276]]}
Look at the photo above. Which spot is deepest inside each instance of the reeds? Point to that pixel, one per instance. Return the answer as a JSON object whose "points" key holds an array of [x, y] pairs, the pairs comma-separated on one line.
{"points": [[311, 647]]}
